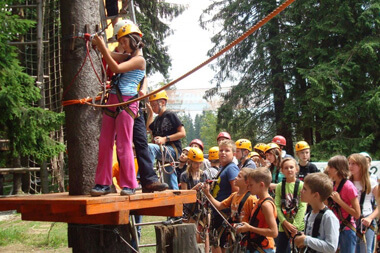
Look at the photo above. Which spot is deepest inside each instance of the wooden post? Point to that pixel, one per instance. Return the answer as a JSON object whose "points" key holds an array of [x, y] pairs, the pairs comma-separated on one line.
{"points": [[83, 124], [176, 238]]}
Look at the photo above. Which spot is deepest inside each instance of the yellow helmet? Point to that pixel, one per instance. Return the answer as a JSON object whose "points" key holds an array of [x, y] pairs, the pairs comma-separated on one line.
{"points": [[159, 95], [252, 154], [243, 144], [301, 145], [119, 25], [271, 146], [261, 147], [195, 155], [213, 153], [128, 29]]}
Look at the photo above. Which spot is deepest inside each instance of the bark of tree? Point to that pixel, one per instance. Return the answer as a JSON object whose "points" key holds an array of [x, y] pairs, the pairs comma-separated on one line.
{"points": [[83, 124], [279, 91]]}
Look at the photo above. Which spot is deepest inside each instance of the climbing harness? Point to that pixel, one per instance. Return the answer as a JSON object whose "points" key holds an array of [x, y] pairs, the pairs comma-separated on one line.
{"points": [[255, 241], [345, 222], [115, 84], [289, 209]]}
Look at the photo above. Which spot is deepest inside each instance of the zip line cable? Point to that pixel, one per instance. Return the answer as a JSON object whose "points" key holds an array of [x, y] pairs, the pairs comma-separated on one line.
{"points": [[254, 28]]}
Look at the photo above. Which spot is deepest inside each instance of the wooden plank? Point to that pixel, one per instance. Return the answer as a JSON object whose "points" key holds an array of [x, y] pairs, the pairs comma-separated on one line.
{"points": [[115, 218], [141, 201], [111, 209], [170, 211]]}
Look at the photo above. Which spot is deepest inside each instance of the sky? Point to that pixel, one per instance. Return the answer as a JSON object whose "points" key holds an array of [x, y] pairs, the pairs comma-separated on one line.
{"points": [[188, 47]]}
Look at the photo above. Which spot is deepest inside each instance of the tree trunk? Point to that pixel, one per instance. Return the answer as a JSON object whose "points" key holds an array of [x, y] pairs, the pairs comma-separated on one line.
{"points": [[83, 123], [277, 73], [17, 182]]}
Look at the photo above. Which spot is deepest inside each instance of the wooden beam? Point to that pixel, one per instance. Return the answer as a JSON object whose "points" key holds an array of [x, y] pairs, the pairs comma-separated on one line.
{"points": [[19, 170]]}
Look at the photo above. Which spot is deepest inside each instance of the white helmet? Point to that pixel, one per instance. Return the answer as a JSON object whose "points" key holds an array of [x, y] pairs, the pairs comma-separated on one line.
{"points": [[119, 25]]}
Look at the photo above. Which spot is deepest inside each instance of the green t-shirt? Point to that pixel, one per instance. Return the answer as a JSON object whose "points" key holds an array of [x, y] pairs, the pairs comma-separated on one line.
{"points": [[298, 221]]}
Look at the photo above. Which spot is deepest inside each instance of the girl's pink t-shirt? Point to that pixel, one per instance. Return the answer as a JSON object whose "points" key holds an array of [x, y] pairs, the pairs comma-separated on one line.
{"points": [[347, 193]]}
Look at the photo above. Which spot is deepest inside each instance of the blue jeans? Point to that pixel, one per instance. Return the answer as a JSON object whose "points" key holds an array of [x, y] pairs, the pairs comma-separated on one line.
{"points": [[155, 153], [370, 238], [283, 245], [265, 250], [347, 241]]}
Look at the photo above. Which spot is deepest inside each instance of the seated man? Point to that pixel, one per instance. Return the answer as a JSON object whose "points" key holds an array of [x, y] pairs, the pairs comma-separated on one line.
{"points": [[167, 130]]}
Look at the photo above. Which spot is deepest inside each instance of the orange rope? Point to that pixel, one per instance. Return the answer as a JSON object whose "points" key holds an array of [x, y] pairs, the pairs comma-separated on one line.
{"points": [[254, 28], [79, 101]]}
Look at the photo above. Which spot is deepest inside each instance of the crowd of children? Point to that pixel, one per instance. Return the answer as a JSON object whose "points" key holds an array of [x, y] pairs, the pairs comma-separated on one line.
{"points": [[261, 191], [291, 204]]}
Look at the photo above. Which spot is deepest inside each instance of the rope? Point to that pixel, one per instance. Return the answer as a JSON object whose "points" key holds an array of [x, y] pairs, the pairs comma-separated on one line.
{"points": [[254, 28]]}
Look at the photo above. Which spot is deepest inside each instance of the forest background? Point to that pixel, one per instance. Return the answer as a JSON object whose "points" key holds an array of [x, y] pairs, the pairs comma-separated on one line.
{"points": [[311, 73]]}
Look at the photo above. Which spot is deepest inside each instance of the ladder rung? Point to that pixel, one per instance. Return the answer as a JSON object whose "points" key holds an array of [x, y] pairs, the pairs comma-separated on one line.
{"points": [[25, 42], [118, 15], [147, 245], [148, 223]]}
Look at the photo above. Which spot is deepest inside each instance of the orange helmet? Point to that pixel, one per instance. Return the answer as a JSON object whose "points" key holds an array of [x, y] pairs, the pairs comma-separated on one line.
{"points": [[195, 155], [213, 153]]}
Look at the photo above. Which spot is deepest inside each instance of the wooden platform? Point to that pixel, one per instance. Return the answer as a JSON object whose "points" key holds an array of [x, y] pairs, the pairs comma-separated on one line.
{"points": [[111, 209]]}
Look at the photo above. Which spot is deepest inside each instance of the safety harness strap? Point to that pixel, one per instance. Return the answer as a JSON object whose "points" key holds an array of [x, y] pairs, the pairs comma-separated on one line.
{"points": [[291, 211]]}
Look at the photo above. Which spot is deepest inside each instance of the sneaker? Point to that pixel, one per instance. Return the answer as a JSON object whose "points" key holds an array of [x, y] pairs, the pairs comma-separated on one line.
{"points": [[127, 191], [100, 190], [156, 186]]}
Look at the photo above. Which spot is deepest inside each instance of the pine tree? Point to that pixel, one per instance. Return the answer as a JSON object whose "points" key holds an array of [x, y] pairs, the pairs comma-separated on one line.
{"points": [[311, 73], [26, 126]]}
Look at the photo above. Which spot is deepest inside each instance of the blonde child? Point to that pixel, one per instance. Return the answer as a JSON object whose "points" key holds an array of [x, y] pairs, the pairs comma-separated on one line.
{"points": [[193, 176], [303, 153], [290, 209], [240, 202], [344, 202], [262, 226], [192, 179], [367, 189], [224, 185]]}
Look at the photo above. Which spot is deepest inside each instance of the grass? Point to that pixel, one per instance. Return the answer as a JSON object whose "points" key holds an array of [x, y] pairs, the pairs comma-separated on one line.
{"points": [[53, 235], [32, 233]]}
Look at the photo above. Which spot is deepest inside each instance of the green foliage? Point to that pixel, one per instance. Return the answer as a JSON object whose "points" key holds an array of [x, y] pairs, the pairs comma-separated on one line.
{"points": [[187, 122], [203, 127], [26, 126], [208, 132], [311, 73]]}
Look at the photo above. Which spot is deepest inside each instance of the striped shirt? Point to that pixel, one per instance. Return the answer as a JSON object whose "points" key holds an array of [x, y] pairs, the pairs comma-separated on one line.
{"points": [[129, 82]]}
